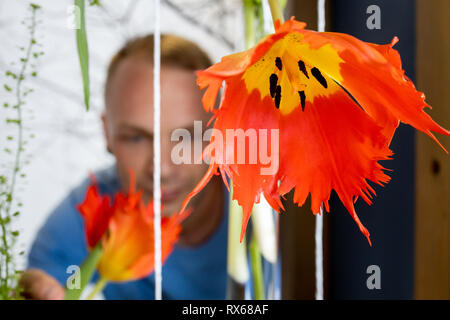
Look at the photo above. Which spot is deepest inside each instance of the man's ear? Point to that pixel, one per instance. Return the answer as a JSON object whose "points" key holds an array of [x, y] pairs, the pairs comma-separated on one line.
{"points": [[106, 133]]}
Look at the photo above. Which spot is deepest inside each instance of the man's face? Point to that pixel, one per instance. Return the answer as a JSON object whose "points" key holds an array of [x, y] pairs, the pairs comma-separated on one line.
{"points": [[128, 124]]}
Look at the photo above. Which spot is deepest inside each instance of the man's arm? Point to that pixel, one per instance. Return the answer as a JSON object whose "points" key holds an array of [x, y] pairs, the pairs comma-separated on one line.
{"points": [[39, 285]]}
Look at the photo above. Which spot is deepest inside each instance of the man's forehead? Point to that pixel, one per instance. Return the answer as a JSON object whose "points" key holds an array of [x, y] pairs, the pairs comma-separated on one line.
{"points": [[124, 125], [133, 80], [130, 98], [140, 70]]}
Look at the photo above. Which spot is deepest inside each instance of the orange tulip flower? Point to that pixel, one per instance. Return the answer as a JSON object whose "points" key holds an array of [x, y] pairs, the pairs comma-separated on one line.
{"points": [[335, 101], [127, 240], [96, 211]]}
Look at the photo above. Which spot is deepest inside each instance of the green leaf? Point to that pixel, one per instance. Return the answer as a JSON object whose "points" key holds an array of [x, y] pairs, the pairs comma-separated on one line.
{"points": [[35, 6], [83, 52], [16, 121], [11, 74], [7, 88]]}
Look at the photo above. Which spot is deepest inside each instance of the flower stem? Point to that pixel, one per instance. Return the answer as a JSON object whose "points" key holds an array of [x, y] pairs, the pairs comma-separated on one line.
{"points": [[253, 11], [275, 9], [237, 266], [87, 269], [255, 256], [249, 18], [99, 286]]}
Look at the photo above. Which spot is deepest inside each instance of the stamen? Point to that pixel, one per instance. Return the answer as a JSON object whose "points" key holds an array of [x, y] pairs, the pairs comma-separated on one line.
{"points": [[319, 77], [302, 67], [302, 99], [273, 84], [278, 63], [278, 97]]}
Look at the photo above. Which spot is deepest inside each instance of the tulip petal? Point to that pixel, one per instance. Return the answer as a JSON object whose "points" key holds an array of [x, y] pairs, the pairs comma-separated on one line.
{"points": [[336, 102], [96, 211]]}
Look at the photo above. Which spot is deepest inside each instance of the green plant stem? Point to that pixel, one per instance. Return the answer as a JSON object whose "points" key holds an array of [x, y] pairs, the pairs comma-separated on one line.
{"points": [[255, 258], [275, 9], [249, 18], [237, 264], [99, 286], [87, 269], [251, 10], [16, 167]]}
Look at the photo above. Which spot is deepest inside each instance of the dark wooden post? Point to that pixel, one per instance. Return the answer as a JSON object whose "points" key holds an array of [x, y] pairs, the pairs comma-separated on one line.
{"points": [[432, 234]]}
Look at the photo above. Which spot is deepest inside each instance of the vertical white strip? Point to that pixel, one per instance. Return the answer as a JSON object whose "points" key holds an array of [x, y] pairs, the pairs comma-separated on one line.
{"points": [[274, 292], [319, 255], [268, 24], [319, 217], [321, 15], [157, 150]]}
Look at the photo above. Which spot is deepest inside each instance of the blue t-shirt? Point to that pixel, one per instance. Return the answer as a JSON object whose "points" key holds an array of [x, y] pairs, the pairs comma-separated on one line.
{"points": [[189, 272]]}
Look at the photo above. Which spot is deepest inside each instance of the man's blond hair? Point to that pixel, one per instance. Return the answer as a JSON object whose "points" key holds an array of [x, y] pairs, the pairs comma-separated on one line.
{"points": [[175, 51]]}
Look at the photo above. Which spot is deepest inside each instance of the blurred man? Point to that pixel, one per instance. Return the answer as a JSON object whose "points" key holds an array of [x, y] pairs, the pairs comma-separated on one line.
{"points": [[197, 267]]}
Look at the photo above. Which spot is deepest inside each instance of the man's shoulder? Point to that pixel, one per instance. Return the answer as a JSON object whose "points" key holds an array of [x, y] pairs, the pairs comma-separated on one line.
{"points": [[106, 179], [66, 213]]}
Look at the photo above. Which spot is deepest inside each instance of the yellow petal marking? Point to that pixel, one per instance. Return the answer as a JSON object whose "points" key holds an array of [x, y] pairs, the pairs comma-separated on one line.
{"points": [[291, 79]]}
